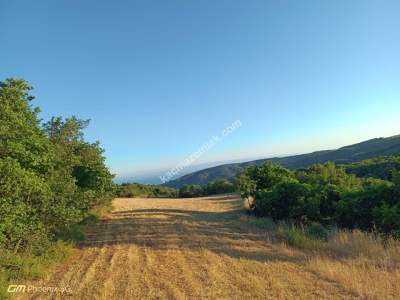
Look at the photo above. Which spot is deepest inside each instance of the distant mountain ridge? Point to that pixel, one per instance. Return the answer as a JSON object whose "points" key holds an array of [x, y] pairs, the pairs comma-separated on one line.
{"points": [[347, 154]]}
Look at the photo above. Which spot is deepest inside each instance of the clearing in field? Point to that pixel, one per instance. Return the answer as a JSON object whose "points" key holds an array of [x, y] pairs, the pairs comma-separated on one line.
{"points": [[198, 248]]}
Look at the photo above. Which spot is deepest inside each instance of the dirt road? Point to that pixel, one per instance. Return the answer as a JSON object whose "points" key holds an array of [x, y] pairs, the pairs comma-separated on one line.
{"points": [[185, 249]]}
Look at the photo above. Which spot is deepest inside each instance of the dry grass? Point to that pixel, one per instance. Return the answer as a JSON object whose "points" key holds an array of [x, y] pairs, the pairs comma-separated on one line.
{"points": [[361, 262], [204, 248], [364, 278], [359, 244]]}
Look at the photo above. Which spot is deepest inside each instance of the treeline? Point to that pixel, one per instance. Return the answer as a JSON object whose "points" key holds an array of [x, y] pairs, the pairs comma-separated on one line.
{"points": [[217, 186], [327, 194], [132, 190], [381, 167], [50, 177]]}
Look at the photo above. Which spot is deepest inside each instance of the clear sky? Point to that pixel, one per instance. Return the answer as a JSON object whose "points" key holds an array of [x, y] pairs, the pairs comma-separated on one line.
{"points": [[161, 78]]}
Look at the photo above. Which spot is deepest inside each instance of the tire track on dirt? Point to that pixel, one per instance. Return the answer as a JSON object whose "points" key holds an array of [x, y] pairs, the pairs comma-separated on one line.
{"points": [[184, 249]]}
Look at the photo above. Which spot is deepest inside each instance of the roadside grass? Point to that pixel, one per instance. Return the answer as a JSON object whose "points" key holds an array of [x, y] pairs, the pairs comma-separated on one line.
{"points": [[364, 263], [17, 268]]}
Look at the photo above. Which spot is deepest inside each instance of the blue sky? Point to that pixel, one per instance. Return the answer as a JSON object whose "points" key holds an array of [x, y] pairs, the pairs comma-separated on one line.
{"points": [[158, 79]]}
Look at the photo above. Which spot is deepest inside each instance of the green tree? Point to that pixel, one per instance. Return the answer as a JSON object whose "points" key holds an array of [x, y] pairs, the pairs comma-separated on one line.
{"points": [[191, 190], [219, 186], [50, 177], [263, 177]]}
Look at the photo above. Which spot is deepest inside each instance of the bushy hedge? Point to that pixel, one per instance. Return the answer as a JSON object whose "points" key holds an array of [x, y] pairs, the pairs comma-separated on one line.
{"points": [[325, 194], [50, 177]]}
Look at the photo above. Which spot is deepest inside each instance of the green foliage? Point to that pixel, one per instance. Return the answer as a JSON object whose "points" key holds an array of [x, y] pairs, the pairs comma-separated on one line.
{"points": [[245, 185], [329, 173], [355, 209], [50, 177], [219, 186], [378, 167], [306, 237], [324, 194], [192, 190], [132, 190], [294, 236], [317, 231], [21, 137], [387, 219], [263, 177], [17, 267], [268, 175]]}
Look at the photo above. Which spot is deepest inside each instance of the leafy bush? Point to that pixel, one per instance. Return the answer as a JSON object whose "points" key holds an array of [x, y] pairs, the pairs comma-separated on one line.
{"points": [[292, 235], [263, 177], [324, 194], [317, 231], [50, 180]]}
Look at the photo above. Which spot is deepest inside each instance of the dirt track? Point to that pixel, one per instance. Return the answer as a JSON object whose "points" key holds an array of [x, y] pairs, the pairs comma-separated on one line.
{"points": [[185, 249]]}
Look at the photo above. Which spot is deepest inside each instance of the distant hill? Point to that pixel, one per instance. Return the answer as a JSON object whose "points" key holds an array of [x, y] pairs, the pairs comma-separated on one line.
{"points": [[348, 154]]}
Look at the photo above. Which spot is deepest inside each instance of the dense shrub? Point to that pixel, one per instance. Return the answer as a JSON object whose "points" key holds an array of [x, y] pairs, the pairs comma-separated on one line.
{"points": [[50, 177], [324, 194], [263, 177]]}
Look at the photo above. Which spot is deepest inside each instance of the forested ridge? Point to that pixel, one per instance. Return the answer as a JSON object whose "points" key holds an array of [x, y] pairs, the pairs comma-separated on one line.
{"points": [[344, 155]]}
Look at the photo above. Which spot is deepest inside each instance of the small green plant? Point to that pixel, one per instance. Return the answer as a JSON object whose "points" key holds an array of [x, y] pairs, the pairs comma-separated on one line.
{"points": [[292, 236], [16, 266], [317, 231], [264, 223]]}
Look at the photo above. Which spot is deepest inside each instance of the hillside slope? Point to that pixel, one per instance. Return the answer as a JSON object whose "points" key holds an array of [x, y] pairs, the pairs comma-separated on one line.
{"points": [[348, 154]]}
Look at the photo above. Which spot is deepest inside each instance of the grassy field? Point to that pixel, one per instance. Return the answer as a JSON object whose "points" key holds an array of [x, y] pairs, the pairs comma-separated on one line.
{"points": [[208, 248]]}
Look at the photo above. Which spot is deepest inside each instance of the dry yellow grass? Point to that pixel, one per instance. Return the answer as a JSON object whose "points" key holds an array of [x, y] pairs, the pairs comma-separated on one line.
{"points": [[203, 249], [360, 262]]}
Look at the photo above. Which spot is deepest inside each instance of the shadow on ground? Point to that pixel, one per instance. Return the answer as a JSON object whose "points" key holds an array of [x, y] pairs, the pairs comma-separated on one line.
{"points": [[169, 229]]}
